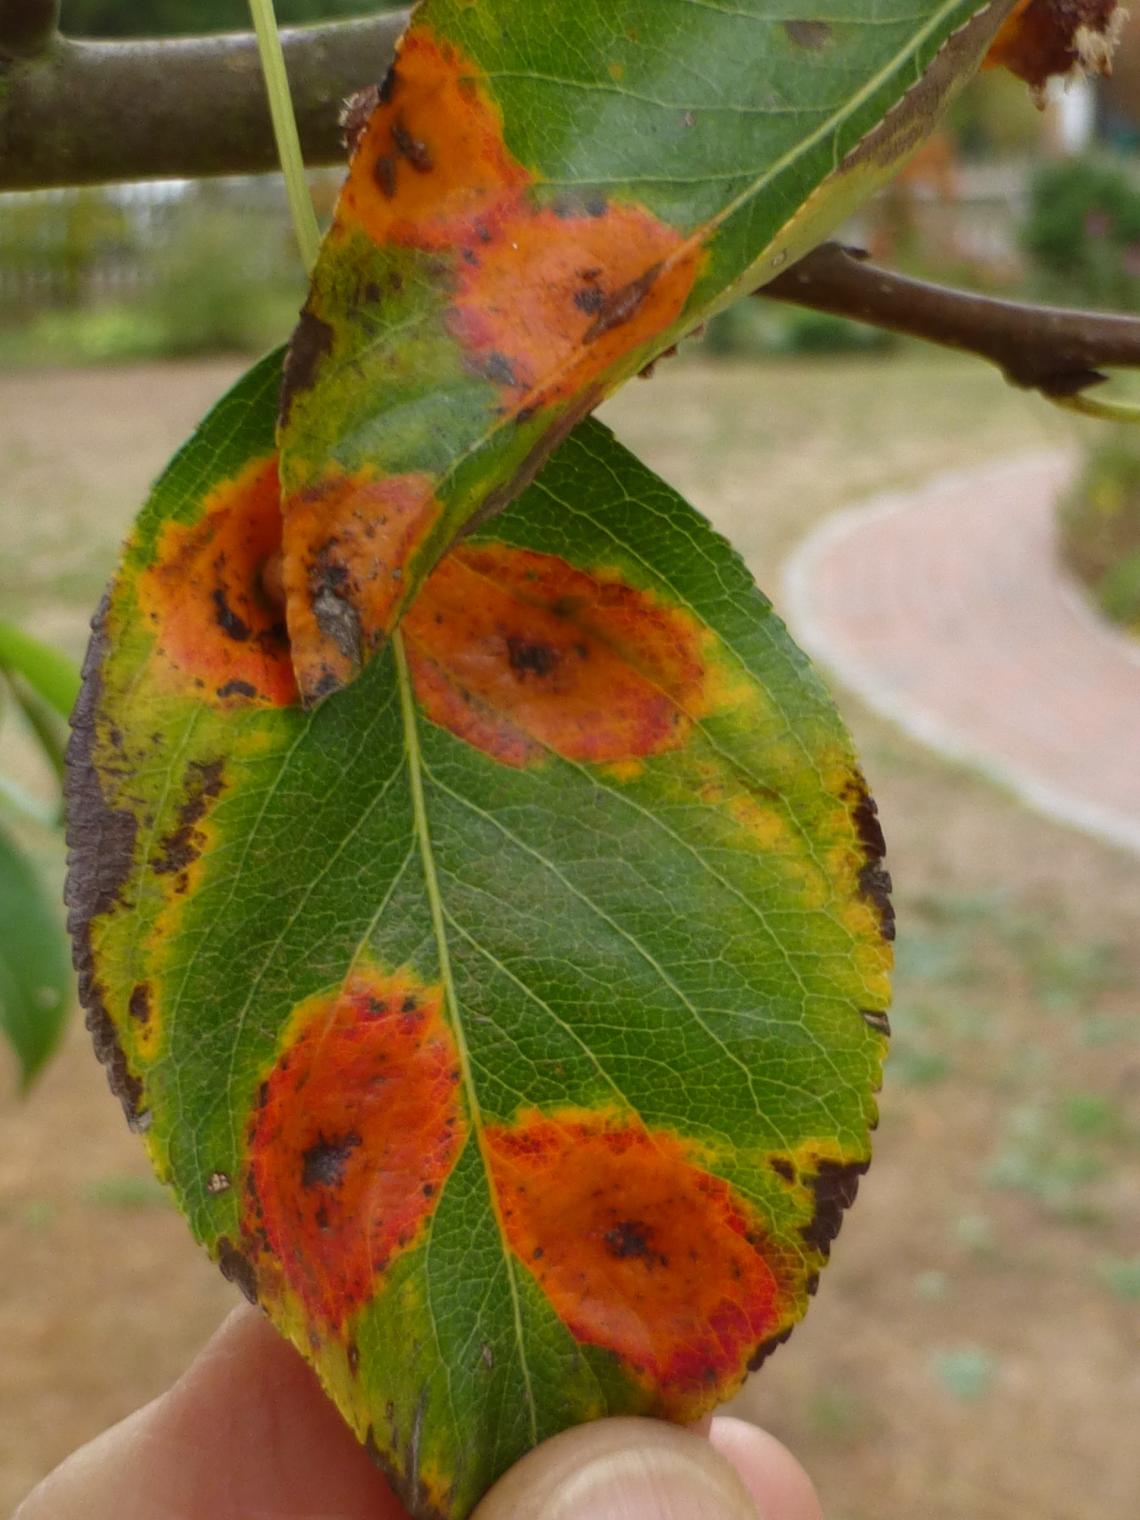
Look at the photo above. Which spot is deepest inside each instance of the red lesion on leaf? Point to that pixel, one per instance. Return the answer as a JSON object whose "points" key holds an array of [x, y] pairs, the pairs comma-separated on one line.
{"points": [[565, 294], [640, 1251], [215, 619], [549, 295], [357, 1128], [346, 539], [431, 160], [1041, 39], [519, 653]]}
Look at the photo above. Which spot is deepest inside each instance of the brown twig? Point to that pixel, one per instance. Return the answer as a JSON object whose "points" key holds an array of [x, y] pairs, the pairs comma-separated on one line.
{"points": [[1049, 349], [27, 27], [81, 113]]}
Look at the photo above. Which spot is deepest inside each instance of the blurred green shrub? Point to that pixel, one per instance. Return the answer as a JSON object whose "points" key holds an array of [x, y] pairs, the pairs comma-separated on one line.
{"points": [[1082, 233], [203, 271], [766, 328], [86, 335], [1100, 528], [51, 243], [228, 282]]}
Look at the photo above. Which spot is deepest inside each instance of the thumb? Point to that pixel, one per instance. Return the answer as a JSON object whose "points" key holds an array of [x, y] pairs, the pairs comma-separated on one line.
{"points": [[624, 1469]]}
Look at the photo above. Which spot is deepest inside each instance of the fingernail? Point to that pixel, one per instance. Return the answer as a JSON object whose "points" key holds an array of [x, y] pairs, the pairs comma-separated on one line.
{"points": [[648, 1483]]}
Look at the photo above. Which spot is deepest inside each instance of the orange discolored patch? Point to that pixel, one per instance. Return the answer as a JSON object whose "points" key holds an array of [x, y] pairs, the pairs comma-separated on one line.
{"points": [[214, 619], [519, 653], [565, 295], [639, 1251], [548, 297], [1041, 39], [552, 299], [346, 541], [357, 1128], [430, 161]]}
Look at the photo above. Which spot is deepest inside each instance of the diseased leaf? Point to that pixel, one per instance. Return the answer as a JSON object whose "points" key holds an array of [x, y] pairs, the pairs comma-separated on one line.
{"points": [[35, 978], [536, 207], [508, 1027]]}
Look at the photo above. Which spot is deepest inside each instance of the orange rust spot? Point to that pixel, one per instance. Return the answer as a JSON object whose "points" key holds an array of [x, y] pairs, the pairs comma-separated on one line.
{"points": [[562, 298], [357, 1128], [639, 1251], [548, 298], [519, 652], [437, 107], [1040, 39], [212, 619], [346, 539]]}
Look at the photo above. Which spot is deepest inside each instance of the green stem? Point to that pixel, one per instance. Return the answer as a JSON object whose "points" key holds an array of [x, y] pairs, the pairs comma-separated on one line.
{"points": [[305, 227]]}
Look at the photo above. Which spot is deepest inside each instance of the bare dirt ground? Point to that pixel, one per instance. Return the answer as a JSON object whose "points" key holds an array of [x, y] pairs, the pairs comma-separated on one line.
{"points": [[974, 1348]]}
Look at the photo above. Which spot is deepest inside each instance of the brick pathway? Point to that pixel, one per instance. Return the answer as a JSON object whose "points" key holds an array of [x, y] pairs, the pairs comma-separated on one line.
{"points": [[944, 609]]}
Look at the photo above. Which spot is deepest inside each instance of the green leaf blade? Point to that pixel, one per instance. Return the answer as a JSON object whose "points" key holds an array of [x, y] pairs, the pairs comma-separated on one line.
{"points": [[574, 895], [35, 977]]}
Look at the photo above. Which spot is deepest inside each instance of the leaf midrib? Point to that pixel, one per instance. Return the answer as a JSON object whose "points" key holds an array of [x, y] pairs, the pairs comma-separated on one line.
{"points": [[435, 902]]}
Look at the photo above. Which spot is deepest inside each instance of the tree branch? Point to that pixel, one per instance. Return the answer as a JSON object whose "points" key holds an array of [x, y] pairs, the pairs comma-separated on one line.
{"points": [[1049, 349], [27, 27], [81, 113]]}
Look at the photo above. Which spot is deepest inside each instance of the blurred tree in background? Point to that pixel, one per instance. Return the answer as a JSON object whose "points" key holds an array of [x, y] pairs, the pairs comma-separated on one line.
{"points": [[1082, 232]]}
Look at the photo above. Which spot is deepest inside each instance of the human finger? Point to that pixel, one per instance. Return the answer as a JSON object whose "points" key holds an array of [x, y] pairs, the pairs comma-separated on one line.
{"points": [[245, 1434], [628, 1469]]}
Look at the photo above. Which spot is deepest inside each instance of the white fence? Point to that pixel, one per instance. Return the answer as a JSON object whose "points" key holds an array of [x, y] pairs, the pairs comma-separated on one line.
{"points": [[75, 247]]}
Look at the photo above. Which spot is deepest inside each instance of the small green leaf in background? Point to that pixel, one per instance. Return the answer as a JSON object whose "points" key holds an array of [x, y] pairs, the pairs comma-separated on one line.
{"points": [[43, 685], [35, 976], [48, 730], [50, 674]]}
